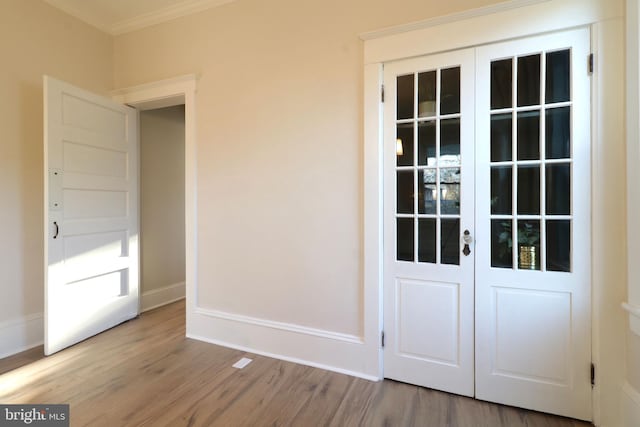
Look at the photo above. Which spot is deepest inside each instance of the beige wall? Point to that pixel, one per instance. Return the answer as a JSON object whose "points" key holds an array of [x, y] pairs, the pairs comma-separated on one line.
{"points": [[633, 360], [35, 39], [162, 197], [279, 119], [279, 113]]}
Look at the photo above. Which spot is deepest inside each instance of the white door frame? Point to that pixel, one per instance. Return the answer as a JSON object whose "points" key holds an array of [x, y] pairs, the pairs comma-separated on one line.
{"points": [[505, 21], [165, 93]]}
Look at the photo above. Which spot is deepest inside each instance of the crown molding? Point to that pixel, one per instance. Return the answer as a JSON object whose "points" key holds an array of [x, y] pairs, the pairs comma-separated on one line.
{"points": [[178, 10]]}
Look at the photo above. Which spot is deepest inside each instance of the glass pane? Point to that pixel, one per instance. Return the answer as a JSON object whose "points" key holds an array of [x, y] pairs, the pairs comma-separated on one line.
{"points": [[501, 137], [404, 136], [404, 239], [404, 192], [529, 190], [450, 91], [450, 142], [529, 135], [501, 244], [427, 143], [558, 133], [529, 80], [428, 193], [450, 191], [404, 103], [529, 245], [427, 240], [450, 242], [501, 190], [427, 94], [501, 84], [559, 246], [558, 75], [559, 189]]}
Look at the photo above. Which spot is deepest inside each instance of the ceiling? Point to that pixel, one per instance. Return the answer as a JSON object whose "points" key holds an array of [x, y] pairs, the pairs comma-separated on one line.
{"points": [[122, 16]]}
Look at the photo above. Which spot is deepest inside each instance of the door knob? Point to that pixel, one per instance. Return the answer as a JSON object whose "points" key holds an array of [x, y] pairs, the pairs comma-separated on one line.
{"points": [[467, 240]]}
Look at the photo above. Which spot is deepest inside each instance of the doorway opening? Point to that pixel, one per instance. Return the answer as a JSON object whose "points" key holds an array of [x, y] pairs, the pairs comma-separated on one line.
{"points": [[162, 209]]}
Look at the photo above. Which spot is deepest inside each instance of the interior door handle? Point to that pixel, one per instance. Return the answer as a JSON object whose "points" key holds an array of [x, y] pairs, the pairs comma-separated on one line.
{"points": [[55, 236], [467, 240]]}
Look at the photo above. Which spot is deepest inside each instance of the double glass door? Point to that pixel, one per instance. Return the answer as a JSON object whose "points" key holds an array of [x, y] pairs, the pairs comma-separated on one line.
{"points": [[486, 199]]}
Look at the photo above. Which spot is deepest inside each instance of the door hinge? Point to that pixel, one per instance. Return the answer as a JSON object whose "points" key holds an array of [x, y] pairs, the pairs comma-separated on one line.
{"points": [[382, 338], [382, 93], [591, 63], [593, 375]]}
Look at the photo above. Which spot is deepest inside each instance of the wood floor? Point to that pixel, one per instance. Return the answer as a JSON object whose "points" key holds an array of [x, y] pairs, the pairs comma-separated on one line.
{"points": [[145, 373]]}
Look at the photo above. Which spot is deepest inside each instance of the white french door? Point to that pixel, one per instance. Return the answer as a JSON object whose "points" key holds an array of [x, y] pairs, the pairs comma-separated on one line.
{"points": [[507, 320], [533, 323], [429, 205], [91, 214]]}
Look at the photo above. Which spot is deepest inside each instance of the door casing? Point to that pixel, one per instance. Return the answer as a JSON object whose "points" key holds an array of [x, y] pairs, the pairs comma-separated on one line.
{"points": [[469, 29], [165, 93]]}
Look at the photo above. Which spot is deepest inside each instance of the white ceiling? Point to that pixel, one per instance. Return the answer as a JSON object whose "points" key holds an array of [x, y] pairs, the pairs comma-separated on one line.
{"points": [[121, 16]]}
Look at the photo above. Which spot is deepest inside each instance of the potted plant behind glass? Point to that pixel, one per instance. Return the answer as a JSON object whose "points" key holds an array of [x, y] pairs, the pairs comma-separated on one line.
{"points": [[528, 238]]}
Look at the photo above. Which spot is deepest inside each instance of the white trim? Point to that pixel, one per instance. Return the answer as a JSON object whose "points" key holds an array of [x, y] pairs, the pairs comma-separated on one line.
{"points": [[633, 161], [608, 225], [523, 19], [163, 296], [329, 350], [633, 310], [446, 19], [630, 406], [20, 334], [373, 208], [181, 8], [634, 316], [290, 327], [183, 88], [285, 358], [169, 13], [168, 89]]}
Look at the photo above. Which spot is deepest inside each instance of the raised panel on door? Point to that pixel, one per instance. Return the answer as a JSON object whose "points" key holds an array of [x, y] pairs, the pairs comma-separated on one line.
{"points": [[91, 214], [429, 203], [533, 287]]}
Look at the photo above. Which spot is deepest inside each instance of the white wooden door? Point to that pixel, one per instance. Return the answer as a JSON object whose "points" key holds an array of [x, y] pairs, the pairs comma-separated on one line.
{"points": [[91, 214], [429, 203], [533, 286]]}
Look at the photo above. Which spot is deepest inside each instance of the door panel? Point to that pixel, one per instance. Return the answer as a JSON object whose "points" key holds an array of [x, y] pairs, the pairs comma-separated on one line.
{"points": [[533, 323], [91, 214], [429, 201]]}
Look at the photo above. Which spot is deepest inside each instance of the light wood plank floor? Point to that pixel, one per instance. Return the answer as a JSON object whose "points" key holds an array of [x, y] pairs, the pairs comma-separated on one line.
{"points": [[146, 373]]}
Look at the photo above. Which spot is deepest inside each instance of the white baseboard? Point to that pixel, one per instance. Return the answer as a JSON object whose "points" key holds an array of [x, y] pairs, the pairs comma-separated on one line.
{"points": [[163, 296], [630, 406], [333, 351], [634, 316], [26, 332], [21, 334]]}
